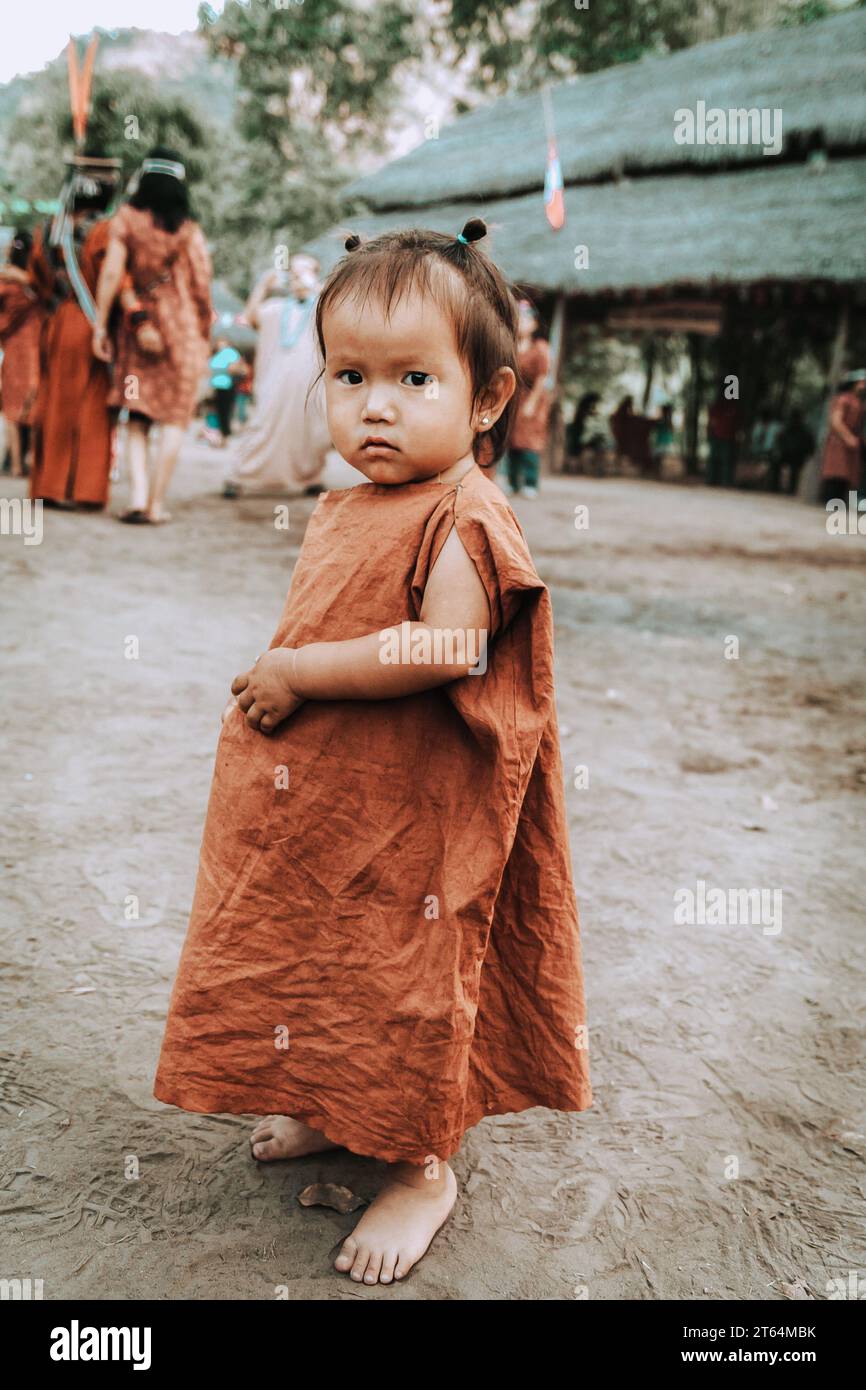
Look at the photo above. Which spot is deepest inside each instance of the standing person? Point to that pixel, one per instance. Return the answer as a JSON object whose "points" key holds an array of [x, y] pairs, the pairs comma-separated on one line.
{"points": [[842, 457], [285, 446], [74, 425], [226, 365], [620, 427], [529, 432], [245, 388], [164, 337], [578, 437], [377, 920], [22, 316], [663, 436], [765, 433], [795, 443], [723, 424]]}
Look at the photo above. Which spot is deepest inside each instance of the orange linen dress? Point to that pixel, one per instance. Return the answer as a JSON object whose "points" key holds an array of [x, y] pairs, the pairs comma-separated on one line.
{"points": [[841, 460], [171, 273], [74, 435], [21, 320], [388, 948]]}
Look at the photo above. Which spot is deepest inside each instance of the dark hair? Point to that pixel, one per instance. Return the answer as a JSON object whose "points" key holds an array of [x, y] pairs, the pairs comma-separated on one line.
{"points": [[477, 298], [587, 402], [19, 248], [166, 197], [93, 196]]}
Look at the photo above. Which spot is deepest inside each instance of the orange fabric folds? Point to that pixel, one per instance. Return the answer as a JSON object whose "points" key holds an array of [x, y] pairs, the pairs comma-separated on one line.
{"points": [[384, 940]]}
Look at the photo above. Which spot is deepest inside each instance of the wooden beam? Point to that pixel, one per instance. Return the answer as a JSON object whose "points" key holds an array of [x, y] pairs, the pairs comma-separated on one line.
{"points": [[556, 434], [693, 405]]}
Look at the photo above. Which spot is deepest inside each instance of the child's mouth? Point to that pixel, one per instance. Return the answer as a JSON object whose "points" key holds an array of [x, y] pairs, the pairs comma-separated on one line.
{"points": [[372, 444]]}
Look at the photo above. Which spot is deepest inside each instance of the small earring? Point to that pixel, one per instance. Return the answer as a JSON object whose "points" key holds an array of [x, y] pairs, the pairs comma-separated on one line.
{"points": [[485, 419]]}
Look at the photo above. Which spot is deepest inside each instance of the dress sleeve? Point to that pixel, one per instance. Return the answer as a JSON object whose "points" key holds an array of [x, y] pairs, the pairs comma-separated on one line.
{"points": [[491, 535], [507, 703]]}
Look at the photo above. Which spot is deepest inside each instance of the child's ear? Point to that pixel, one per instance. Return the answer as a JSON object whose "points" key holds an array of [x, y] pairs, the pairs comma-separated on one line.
{"points": [[501, 388]]}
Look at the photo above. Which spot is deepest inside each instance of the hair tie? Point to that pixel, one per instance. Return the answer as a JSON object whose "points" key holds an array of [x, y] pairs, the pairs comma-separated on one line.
{"points": [[461, 237]]}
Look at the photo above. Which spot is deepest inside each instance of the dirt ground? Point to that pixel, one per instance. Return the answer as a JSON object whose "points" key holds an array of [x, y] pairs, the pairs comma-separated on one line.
{"points": [[724, 1154]]}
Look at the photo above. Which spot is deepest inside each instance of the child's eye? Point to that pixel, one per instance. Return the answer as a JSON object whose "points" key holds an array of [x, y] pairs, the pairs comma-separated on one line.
{"points": [[425, 377], [350, 371]]}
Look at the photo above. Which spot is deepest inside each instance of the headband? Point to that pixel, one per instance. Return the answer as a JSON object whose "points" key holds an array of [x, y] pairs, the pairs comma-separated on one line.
{"points": [[172, 167]]}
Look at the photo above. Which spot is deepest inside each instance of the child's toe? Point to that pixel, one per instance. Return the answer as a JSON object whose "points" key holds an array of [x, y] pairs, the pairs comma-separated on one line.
{"points": [[388, 1263], [346, 1257], [265, 1148], [373, 1267], [361, 1261]]}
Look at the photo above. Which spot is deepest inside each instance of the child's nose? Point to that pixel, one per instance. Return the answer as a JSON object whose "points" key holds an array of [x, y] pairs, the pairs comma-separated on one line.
{"points": [[378, 405]]}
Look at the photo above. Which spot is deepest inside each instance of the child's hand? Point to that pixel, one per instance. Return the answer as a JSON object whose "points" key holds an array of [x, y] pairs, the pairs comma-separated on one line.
{"points": [[265, 692]]}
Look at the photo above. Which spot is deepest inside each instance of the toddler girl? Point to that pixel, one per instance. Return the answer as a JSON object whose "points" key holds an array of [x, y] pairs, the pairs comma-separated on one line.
{"points": [[384, 944]]}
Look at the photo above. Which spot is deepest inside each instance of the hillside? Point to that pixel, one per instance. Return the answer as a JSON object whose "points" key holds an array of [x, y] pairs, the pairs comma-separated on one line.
{"points": [[179, 62]]}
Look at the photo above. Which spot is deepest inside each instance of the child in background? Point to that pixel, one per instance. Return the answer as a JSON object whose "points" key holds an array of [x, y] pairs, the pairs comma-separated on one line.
{"points": [[226, 365], [384, 942], [245, 388], [529, 433]]}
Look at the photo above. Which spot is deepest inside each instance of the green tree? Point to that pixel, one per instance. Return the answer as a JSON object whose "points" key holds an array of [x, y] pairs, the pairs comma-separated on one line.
{"points": [[127, 117], [316, 87], [515, 46]]}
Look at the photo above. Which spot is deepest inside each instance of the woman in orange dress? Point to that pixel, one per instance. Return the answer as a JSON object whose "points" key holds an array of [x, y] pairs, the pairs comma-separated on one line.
{"points": [[163, 341], [21, 320], [74, 429], [842, 459]]}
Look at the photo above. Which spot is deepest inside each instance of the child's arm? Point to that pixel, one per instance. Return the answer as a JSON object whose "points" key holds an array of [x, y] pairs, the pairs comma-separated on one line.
{"points": [[455, 601]]}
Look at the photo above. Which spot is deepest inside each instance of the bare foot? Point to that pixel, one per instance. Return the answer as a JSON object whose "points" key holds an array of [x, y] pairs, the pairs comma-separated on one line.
{"points": [[157, 517], [399, 1224], [279, 1136]]}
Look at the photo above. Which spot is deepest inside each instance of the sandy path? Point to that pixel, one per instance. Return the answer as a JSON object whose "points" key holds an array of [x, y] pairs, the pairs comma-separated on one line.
{"points": [[707, 1042]]}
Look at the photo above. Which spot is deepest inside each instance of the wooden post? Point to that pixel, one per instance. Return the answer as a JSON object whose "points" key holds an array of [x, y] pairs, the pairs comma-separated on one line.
{"points": [[649, 365], [810, 478], [693, 407], [556, 434]]}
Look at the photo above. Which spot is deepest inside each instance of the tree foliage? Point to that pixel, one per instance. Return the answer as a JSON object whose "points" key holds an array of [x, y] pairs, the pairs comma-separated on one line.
{"points": [[127, 117]]}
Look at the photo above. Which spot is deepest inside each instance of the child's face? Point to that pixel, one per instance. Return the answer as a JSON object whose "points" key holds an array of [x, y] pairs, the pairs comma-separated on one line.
{"points": [[401, 381]]}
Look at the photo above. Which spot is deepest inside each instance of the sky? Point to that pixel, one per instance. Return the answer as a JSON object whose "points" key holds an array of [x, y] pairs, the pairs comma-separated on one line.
{"points": [[41, 28]]}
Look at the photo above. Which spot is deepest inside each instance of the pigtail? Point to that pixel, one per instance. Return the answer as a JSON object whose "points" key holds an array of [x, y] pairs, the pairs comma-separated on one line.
{"points": [[473, 230]]}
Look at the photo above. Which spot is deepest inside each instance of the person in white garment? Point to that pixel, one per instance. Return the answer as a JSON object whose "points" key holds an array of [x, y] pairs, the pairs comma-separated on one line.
{"points": [[283, 448]]}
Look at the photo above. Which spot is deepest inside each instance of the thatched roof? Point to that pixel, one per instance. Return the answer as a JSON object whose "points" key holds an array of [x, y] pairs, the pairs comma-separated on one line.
{"points": [[795, 222], [621, 121], [684, 213]]}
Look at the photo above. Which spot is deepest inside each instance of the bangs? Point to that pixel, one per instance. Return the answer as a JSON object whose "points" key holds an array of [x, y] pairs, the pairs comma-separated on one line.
{"points": [[386, 280]]}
